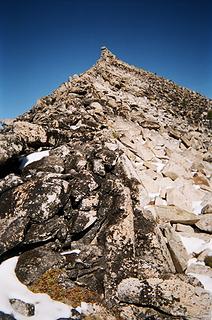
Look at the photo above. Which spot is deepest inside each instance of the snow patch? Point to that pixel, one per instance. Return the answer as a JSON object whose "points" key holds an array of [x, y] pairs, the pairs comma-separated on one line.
{"points": [[160, 166], [193, 245], [205, 280], [153, 195], [197, 207], [12, 288], [196, 262], [77, 126], [35, 156], [77, 251]]}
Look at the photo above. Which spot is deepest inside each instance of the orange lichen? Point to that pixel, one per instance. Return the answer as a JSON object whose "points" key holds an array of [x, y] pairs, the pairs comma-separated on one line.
{"points": [[49, 283]]}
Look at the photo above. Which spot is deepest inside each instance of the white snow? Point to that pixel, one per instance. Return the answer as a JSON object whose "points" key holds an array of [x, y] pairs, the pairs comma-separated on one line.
{"points": [[77, 126], [196, 186], [197, 207], [205, 280], [12, 288], [194, 245], [35, 156], [195, 261], [77, 251], [153, 195], [160, 166], [207, 245]]}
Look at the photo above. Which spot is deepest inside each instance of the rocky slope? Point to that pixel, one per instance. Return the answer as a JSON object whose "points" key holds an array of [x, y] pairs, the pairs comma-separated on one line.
{"points": [[106, 197]]}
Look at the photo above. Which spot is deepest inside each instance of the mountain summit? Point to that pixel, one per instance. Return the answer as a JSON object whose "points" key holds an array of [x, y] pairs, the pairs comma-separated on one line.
{"points": [[105, 193]]}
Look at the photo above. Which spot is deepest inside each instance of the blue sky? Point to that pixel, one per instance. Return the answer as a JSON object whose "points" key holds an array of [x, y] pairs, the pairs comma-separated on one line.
{"points": [[42, 42]]}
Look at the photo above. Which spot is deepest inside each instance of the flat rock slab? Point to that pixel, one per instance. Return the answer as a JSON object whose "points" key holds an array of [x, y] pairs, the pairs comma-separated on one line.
{"points": [[173, 214], [177, 250], [205, 223]]}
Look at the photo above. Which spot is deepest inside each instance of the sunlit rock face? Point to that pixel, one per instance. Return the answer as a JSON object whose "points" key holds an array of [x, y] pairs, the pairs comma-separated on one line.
{"points": [[106, 196]]}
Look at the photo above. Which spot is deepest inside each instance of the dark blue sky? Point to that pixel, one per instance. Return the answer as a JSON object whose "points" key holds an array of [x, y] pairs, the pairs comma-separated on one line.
{"points": [[42, 42]]}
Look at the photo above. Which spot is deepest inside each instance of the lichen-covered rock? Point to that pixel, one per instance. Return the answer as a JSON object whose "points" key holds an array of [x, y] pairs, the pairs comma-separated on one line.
{"points": [[174, 295], [33, 263], [30, 132]]}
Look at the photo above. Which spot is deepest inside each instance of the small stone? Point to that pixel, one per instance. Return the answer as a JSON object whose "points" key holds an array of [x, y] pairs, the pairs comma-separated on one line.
{"points": [[201, 180], [32, 264], [26, 309], [97, 107], [208, 259], [98, 167], [207, 209], [205, 223], [4, 316], [184, 228]]}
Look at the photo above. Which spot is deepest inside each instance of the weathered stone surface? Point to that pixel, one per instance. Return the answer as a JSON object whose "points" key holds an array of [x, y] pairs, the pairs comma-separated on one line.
{"points": [[56, 227], [32, 264], [4, 316], [9, 182], [205, 223], [183, 228], [177, 198], [29, 131], [133, 312], [201, 180], [208, 259], [173, 214], [185, 299], [207, 209], [200, 269], [177, 250], [10, 145], [26, 309], [174, 170]]}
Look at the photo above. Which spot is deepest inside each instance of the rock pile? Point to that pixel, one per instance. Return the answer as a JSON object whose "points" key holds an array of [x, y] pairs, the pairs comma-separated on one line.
{"points": [[106, 197]]}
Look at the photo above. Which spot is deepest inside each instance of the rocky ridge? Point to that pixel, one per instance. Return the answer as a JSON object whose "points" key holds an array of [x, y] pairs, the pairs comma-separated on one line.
{"points": [[117, 207]]}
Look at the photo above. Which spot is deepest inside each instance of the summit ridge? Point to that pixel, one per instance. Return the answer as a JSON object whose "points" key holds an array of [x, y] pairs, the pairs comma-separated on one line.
{"points": [[106, 199]]}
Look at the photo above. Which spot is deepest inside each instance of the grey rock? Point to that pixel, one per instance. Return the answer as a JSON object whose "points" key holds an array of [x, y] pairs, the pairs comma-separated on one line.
{"points": [[4, 316], [205, 223], [26, 309], [207, 209], [208, 260], [183, 228], [177, 250], [32, 264], [173, 214]]}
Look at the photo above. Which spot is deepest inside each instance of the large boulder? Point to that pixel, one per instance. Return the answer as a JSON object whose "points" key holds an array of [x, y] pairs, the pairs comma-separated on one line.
{"points": [[175, 295]]}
